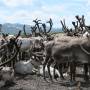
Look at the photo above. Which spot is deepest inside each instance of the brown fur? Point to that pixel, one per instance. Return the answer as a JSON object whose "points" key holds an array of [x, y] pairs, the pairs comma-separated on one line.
{"points": [[66, 41], [67, 47]]}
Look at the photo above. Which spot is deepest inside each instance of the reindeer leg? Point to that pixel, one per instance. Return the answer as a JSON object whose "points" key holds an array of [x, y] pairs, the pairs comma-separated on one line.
{"points": [[60, 71], [85, 72], [72, 73], [89, 70], [44, 65], [54, 71], [48, 66]]}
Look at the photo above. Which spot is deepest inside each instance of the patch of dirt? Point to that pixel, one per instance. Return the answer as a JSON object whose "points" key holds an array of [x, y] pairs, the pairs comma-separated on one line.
{"points": [[34, 82]]}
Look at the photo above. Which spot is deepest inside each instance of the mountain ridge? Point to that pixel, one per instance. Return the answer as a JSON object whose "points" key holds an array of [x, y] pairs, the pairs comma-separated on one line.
{"points": [[14, 28]]}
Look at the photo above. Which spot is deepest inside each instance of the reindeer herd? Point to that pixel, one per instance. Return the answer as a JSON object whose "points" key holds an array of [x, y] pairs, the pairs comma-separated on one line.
{"points": [[45, 54]]}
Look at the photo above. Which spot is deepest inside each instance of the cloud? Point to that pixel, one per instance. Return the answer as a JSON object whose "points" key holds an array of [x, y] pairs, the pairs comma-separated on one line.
{"points": [[26, 17], [24, 11], [53, 8], [88, 2], [15, 3]]}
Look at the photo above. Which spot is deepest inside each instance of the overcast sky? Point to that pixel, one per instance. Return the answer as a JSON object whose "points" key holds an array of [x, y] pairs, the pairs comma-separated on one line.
{"points": [[24, 11]]}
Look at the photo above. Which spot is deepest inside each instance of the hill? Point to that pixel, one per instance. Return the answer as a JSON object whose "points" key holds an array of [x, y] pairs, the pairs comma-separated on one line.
{"points": [[14, 28]]}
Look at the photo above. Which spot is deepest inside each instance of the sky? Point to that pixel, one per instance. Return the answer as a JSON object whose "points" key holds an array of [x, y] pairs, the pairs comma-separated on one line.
{"points": [[25, 11]]}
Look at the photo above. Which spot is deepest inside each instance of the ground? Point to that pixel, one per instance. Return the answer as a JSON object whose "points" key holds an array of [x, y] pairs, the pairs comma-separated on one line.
{"points": [[34, 82]]}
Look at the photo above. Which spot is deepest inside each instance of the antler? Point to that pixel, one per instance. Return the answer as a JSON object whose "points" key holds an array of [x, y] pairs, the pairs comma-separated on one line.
{"points": [[33, 30], [51, 24], [4, 36], [37, 23], [64, 25], [81, 24], [11, 59], [63, 28], [24, 30], [44, 28], [18, 34], [75, 24]]}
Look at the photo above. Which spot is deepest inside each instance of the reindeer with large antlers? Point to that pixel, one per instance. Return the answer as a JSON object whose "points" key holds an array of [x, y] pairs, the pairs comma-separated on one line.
{"points": [[11, 49], [65, 29], [44, 26], [45, 31], [79, 27], [36, 29], [82, 26], [42, 30]]}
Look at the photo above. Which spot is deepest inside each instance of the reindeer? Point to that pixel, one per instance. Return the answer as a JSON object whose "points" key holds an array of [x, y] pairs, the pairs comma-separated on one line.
{"points": [[46, 32], [49, 60], [74, 51], [79, 27], [10, 49], [43, 32], [6, 75]]}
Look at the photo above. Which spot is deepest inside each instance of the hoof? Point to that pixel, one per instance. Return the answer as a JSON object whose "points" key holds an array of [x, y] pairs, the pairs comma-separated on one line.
{"points": [[71, 83], [45, 80], [56, 79], [50, 80], [86, 79], [62, 78]]}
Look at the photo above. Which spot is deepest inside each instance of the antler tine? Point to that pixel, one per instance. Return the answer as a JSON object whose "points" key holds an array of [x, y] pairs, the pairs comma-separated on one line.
{"points": [[63, 26], [18, 34], [83, 20], [64, 22], [77, 16], [4, 36], [35, 20], [77, 23], [50, 21], [38, 20], [73, 24], [24, 30], [44, 27]]}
